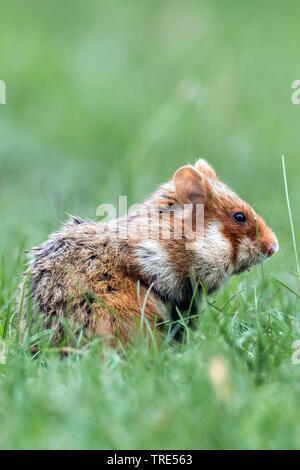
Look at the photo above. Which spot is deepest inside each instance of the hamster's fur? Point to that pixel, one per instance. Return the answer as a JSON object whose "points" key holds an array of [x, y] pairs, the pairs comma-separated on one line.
{"points": [[97, 275]]}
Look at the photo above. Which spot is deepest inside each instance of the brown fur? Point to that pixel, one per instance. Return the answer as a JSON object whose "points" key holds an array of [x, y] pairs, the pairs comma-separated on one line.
{"points": [[87, 274]]}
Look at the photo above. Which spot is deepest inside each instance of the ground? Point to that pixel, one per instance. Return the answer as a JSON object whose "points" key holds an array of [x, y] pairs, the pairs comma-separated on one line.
{"points": [[107, 99]]}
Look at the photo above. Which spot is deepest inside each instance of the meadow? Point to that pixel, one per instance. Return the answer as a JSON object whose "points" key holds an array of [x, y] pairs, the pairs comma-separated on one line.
{"points": [[110, 98]]}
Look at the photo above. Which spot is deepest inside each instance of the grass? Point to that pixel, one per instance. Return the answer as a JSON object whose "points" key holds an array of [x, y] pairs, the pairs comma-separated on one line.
{"points": [[105, 100], [166, 396]]}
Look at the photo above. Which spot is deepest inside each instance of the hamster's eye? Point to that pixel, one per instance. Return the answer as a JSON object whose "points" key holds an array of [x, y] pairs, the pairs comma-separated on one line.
{"points": [[240, 217]]}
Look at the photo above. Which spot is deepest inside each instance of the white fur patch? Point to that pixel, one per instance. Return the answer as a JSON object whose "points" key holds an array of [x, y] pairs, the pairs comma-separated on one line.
{"points": [[213, 257], [276, 246], [247, 253], [155, 263], [211, 265]]}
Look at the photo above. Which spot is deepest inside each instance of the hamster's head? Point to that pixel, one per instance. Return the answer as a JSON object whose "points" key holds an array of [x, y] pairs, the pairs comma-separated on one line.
{"points": [[235, 236]]}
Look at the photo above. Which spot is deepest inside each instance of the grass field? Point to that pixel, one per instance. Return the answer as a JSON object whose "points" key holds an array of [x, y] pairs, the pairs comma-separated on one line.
{"points": [[110, 98]]}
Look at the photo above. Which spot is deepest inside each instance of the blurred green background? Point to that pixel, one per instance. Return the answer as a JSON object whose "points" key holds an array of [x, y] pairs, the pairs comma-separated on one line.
{"points": [[110, 97]]}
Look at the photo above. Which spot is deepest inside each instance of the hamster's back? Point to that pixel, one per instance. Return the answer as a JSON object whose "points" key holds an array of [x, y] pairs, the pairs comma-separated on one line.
{"points": [[76, 278]]}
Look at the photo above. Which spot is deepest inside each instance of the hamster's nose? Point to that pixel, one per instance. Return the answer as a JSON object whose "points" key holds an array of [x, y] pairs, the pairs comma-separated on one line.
{"points": [[272, 248]]}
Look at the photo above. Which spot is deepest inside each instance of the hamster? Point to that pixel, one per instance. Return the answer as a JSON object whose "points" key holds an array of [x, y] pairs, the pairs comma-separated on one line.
{"points": [[100, 277]]}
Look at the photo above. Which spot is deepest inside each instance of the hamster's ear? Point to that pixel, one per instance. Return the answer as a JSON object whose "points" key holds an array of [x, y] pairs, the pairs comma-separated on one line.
{"points": [[191, 187], [204, 168]]}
